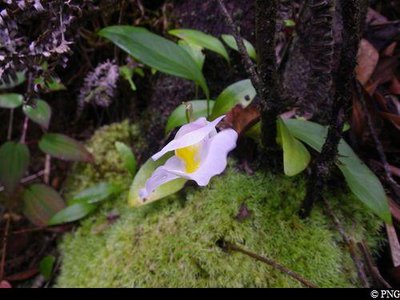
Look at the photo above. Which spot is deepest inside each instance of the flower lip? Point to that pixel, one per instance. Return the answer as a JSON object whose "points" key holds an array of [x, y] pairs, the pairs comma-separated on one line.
{"points": [[193, 134], [200, 154]]}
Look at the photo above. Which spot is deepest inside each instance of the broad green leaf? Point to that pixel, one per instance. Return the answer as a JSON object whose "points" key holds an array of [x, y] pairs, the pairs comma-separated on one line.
{"points": [[127, 73], [72, 213], [13, 83], [64, 147], [156, 52], [241, 92], [46, 266], [360, 179], [201, 39], [231, 42], [11, 100], [178, 116], [41, 203], [162, 191], [95, 194], [40, 113], [14, 161], [196, 52], [128, 157], [295, 155]]}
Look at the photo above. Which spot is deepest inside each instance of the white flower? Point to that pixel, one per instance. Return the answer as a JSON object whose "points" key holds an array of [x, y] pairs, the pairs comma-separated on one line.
{"points": [[200, 153]]}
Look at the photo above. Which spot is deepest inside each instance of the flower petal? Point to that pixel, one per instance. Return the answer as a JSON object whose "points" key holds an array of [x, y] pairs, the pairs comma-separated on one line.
{"points": [[190, 137], [215, 160], [162, 175]]}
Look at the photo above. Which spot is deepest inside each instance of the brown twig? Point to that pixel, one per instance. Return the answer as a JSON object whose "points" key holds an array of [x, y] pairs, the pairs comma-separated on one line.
{"points": [[47, 169], [350, 244], [10, 124], [247, 62], [4, 250], [28, 179], [394, 186], [374, 271], [227, 246]]}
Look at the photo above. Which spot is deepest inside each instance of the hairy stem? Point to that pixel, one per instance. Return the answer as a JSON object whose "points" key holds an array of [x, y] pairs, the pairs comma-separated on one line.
{"points": [[272, 102], [352, 20]]}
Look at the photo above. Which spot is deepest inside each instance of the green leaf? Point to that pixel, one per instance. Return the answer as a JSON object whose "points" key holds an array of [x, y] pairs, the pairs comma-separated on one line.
{"points": [[241, 92], [178, 116], [156, 52], [13, 83], [231, 42], [14, 161], [64, 147], [295, 155], [11, 100], [40, 113], [360, 179], [96, 194], [128, 157], [41, 203], [195, 52], [72, 213], [127, 73], [201, 39], [46, 266], [162, 191]]}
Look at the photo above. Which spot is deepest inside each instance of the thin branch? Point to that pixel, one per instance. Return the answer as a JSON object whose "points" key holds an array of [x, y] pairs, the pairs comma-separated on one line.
{"points": [[4, 250], [227, 246], [47, 169], [10, 124], [29, 178], [394, 186], [350, 244], [247, 62], [374, 271], [24, 130]]}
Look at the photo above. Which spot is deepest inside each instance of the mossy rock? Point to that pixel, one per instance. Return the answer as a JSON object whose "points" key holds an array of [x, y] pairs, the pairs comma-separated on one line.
{"points": [[173, 242]]}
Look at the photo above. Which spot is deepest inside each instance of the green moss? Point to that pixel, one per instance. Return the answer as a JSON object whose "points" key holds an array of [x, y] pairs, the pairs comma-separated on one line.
{"points": [[172, 243], [108, 165]]}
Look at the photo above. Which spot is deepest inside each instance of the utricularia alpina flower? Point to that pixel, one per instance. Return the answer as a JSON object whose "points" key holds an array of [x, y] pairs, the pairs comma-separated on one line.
{"points": [[200, 153]]}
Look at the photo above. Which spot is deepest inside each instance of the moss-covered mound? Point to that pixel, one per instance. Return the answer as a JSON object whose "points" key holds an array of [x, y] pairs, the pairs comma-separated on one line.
{"points": [[173, 242]]}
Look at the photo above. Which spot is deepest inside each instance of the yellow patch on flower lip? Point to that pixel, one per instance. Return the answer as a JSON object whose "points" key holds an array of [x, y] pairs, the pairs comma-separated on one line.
{"points": [[190, 156]]}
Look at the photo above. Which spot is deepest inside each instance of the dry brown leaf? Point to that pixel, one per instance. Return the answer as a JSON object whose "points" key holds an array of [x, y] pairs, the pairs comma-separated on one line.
{"points": [[394, 244], [240, 118], [395, 119], [368, 58], [384, 72], [389, 51], [394, 209], [5, 285], [395, 87]]}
